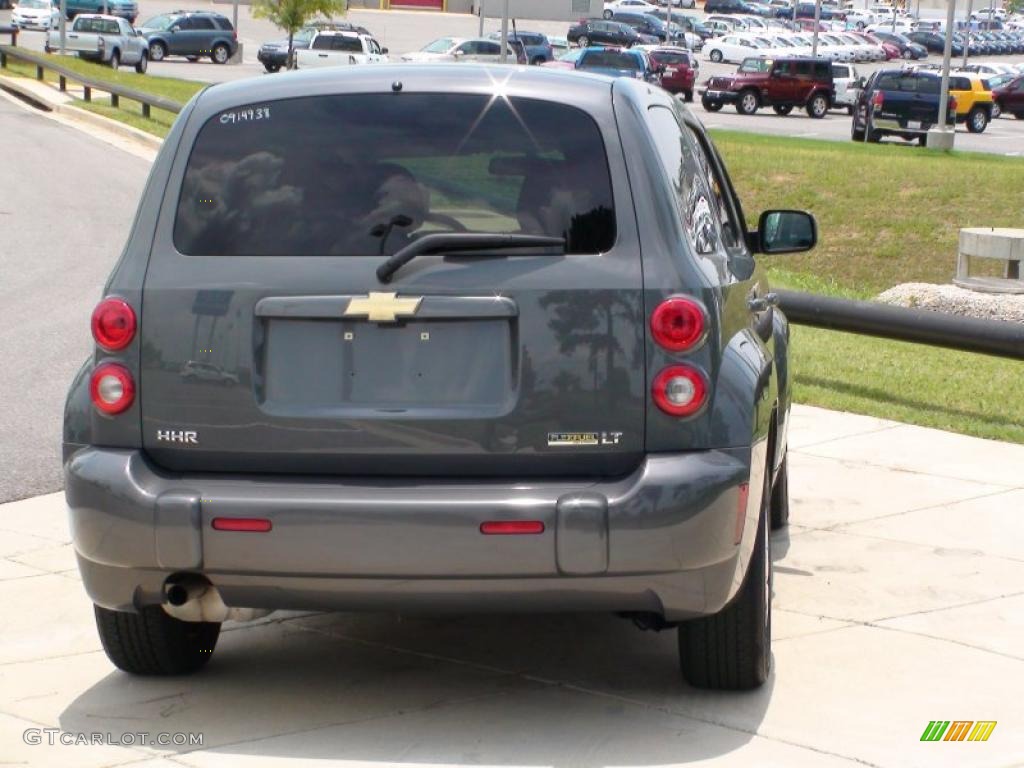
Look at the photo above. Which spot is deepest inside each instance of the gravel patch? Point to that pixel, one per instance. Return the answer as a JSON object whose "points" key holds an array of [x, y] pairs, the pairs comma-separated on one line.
{"points": [[955, 300]]}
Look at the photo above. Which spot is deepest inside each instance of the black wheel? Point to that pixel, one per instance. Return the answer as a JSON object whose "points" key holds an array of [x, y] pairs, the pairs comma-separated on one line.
{"points": [[688, 95], [607, 14], [817, 107], [711, 106], [997, 109], [157, 51], [272, 68], [1019, 115], [849, 109], [783, 109], [908, 54], [115, 60], [152, 643], [732, 650], [780, 497], [193, 59], [584, 41], [220, 54], [923, 139], [977, 120], [716, 56], [871, 134], [747, 103], [143, 64]]}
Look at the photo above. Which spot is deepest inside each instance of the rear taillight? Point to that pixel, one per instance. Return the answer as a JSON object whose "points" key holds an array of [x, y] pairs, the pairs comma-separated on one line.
{"points": [[113, 324], [877, 99], [952, 105], [679, 324], [680, 390], [112, 388]]}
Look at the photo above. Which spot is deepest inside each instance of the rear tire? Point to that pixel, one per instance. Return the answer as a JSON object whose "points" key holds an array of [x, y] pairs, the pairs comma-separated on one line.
{"points": [[977, 120], [780, 497], [152, 643], [584, 41], [997, 110], [688, 95], [192, 59], [817, 107], [782, 109], [143, 64], [272, 68], [716, 56], [220, 54], [747, 103], [732, 650], [870, 134], [711, 106], [115, 60]]}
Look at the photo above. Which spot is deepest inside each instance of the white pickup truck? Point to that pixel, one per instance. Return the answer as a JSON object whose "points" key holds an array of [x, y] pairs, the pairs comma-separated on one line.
{"points": [[107, 39], [333, 48]]}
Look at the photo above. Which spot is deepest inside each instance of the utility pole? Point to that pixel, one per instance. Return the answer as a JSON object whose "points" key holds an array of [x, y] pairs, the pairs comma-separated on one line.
{"points": [[946, 139], [481, 9], [63, 27], [817, 23], [967, 30], [504, 32]]}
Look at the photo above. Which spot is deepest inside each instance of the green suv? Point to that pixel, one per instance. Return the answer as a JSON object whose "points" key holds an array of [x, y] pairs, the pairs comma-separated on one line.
{"points": [[192, 34]]}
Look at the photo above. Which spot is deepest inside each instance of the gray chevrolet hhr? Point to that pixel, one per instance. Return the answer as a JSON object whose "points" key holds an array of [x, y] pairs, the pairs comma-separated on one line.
{"points": [[435, 338]]}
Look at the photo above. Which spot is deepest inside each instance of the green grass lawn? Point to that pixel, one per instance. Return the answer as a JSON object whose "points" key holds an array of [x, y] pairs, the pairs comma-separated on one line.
{"points": [[887, 215], [129, 112]]}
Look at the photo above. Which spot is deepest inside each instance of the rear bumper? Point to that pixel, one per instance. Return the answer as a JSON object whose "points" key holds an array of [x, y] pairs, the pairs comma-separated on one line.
{"points": [[662, 539]]}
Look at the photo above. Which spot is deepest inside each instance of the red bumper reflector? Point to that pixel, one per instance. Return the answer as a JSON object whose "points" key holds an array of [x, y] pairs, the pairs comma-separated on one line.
{"points": [[507, 527], [248, 524], [741, 512]]}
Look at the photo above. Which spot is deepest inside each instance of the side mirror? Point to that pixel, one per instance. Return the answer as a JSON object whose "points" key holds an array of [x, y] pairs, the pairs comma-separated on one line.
{"points": [[785, 232], [459, 54], [175, 28], [861, 82], [384, 51]]}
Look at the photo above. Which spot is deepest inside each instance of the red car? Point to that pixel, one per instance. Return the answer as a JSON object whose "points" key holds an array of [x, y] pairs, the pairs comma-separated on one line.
{"points": [[1010, 97], [892, 51], [678, 69]]}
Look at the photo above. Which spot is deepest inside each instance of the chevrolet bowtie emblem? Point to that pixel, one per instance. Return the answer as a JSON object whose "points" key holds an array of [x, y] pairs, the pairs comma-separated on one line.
{"points": [[382, 307]]}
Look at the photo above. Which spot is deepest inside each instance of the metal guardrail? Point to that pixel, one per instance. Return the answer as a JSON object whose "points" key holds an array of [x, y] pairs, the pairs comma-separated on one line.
{"points": [[88, 83], [10, 30], [938, 329]]}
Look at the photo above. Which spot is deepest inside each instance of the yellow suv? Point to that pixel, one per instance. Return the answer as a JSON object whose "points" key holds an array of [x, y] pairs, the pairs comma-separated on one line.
{"points": [[973, 100]]}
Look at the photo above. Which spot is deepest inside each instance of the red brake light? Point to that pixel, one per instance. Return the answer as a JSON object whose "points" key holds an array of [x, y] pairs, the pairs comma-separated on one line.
{"points": [[113, 324], [952, 104], [244, 524], [112, 388], [680, 390], [509, 527], [877, 99], [678, 324]]}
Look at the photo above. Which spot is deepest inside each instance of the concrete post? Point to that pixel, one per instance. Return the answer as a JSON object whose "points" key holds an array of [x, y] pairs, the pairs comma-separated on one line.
{"points": [[940, 137], [504, 32], [817, 22]]}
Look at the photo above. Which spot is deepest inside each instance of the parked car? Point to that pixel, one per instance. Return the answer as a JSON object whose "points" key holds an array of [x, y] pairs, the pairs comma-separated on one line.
{"points": [[567, 60], [1009, 97], [538, 48], [104, 39], [462, 49], [274, 55], [935, 42], [847, 83], [727, 6], [782, 84], [600, 32], [677, 68], [192, 34], [35, 14], [559, 45], [735, 48], [899, 102], [907, 47], [637, 6], [576, 428], [125, 9], [973, 100], [649, 25], [689, 24], [335, 48], [617, 62]]}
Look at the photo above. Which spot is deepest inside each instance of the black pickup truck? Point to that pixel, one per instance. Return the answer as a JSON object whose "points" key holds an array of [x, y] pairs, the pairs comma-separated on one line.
{"points": [[899, 102]]}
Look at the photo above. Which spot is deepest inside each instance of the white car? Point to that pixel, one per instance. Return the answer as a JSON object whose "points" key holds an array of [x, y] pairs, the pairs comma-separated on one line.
{"points": [[902, 26], [983, 14], [632, 6], [736, 48], [863, 50], [790, 45], [861, 18], [460, 49], [35, 14], [337, 48], [845, 80]]}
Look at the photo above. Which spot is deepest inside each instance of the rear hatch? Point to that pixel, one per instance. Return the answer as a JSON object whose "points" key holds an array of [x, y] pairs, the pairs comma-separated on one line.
{"points": [[271, 345]]}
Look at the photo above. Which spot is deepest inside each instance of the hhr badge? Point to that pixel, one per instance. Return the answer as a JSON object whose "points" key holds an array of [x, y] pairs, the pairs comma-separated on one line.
{"points": [[177, 436], [576, 439], [382, 307]]}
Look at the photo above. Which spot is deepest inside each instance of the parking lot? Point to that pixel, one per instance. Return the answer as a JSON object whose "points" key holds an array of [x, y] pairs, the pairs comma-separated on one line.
{"points": [[407, 31]]}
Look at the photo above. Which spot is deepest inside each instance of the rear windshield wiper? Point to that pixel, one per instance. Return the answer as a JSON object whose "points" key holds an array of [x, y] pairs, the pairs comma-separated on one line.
{"points": [[449, 242]]}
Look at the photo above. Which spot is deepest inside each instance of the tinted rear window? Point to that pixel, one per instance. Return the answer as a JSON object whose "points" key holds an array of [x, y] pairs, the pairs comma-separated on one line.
{"points": [[365, 174], [610, 60]]}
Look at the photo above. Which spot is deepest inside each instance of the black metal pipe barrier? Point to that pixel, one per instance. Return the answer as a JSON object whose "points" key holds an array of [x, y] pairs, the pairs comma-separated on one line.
{"points": [[990, 337]]}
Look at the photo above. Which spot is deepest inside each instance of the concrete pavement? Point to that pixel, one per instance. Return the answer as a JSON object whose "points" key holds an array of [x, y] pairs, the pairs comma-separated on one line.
{"points": [[899, 597]]}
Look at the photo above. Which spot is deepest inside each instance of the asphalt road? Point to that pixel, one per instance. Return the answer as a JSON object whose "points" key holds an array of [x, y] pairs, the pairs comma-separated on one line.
{"points": [[67, 205]]}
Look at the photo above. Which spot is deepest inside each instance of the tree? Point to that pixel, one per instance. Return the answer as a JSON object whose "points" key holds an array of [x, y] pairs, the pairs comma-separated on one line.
{"points": [[292, 15]]}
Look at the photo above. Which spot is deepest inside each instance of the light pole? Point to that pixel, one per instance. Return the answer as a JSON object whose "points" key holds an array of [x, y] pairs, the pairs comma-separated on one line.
{"points": [[481, 9], [504, 32], [940, 137], [63, 26], [817, 23], [967, 30]]}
